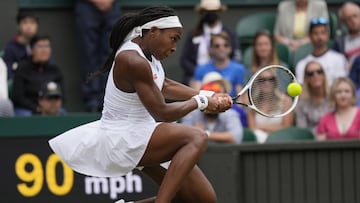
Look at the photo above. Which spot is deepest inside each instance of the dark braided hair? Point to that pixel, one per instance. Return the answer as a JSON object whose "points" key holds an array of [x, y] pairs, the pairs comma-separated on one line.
{"points": [[124, 25]]}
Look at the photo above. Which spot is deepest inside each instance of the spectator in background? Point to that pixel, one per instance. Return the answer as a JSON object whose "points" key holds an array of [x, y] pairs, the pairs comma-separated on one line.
{"points": [[220, 49], [31, 74], [18, 48], [94, 20], [349, 43], [50, 99], [196, 46], [3, 80], [222, 127], [344, 121], [6, 106], [293, 20], [333, 63], [314, 101], [264, 52], [232, 71], [354, 73], [262, 126]]}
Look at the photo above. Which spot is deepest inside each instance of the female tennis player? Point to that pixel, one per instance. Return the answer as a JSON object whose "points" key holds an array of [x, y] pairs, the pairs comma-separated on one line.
{"points": [[137, 127]]}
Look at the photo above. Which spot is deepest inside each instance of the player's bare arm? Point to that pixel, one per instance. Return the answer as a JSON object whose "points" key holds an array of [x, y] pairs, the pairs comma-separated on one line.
{"points": [[139, 76], [174, 90]]}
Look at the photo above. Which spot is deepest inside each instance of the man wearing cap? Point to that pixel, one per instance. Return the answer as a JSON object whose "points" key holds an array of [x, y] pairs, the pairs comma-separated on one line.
{"points": [[222, 127], [196, 48], [50, 99]]}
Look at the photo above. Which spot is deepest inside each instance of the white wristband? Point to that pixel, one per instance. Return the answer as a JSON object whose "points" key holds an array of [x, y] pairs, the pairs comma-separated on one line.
{"points": [[207, 93], [202, 101]]}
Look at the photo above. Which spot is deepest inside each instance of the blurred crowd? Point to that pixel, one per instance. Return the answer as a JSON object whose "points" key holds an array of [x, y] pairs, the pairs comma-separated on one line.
{"points": [[320, 47]]}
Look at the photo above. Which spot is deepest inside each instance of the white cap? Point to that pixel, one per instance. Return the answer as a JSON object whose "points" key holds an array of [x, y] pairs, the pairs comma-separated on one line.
{"points": [[210, 5], [216, 77]]}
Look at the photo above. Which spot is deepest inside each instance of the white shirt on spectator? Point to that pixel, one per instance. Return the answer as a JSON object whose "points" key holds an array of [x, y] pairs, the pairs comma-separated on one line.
{"points": [[3, 80], [333, 63]]}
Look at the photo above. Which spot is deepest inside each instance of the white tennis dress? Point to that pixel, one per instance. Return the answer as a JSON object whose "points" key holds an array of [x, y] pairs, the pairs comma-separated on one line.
{"points": [[113, 145]]}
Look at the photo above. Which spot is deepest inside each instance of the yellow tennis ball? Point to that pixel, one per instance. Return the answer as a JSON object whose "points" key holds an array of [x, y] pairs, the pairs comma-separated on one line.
{"points": [[294, 89]]}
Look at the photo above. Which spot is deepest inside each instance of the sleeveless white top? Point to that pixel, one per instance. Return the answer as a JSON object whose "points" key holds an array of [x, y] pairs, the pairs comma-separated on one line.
{"points": [[113, 145]]}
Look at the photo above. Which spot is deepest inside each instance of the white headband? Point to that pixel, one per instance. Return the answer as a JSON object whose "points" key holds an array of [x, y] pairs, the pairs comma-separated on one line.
{"points": [[161, 23]]}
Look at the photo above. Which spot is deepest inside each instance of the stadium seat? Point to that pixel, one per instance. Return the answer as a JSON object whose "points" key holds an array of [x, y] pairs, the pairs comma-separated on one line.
{"points": [[290, 134], [249, 135], [247, 26], [10, 88], [301, 52], [284, 53], [247, 56], [334, 24]]}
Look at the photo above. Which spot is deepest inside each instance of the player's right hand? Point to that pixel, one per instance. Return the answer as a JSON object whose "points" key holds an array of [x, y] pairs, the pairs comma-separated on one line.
{"points": [[219, 102]]}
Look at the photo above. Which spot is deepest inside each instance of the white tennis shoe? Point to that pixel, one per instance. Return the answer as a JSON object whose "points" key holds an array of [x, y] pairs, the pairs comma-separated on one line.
{"points": [[122, 201]]}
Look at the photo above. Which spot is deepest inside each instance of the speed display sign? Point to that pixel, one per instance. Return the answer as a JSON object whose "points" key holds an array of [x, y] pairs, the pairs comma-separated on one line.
{"points": [[31, 172]]}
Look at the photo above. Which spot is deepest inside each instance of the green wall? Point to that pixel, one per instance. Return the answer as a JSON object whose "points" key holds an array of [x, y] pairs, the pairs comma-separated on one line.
{"points": [[296, 172]]}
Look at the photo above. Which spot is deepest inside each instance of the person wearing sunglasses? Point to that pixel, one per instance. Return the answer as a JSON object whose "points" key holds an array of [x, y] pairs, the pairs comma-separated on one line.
{"points": [[220, 49], [293, 19], [349, 43], [195, 50], [314, 101], [333, 63], [262, 126]]}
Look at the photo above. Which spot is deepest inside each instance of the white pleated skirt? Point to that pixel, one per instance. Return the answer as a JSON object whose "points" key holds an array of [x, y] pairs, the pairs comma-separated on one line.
{"points": [[104, 149]]}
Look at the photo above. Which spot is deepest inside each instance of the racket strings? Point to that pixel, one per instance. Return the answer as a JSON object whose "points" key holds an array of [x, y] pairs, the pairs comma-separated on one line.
{"points": [[269, 92]]}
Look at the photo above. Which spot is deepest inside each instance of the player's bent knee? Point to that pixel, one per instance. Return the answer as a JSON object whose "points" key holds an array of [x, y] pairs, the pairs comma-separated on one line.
{"points": [[211, 198], [200, 138], [208, 198]]}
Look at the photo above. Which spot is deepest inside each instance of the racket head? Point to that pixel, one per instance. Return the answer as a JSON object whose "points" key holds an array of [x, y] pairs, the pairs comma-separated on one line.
{"points": [[267, 91]]}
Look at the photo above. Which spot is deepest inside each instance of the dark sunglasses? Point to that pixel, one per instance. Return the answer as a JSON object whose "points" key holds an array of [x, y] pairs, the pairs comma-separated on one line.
{"points": [[311, 73], [52, 97], [264, 79], [319, 21], [216, 46]]}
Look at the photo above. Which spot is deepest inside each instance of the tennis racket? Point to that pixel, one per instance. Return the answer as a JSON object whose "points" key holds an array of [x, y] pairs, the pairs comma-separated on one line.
{"points": [[267, 93]]}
